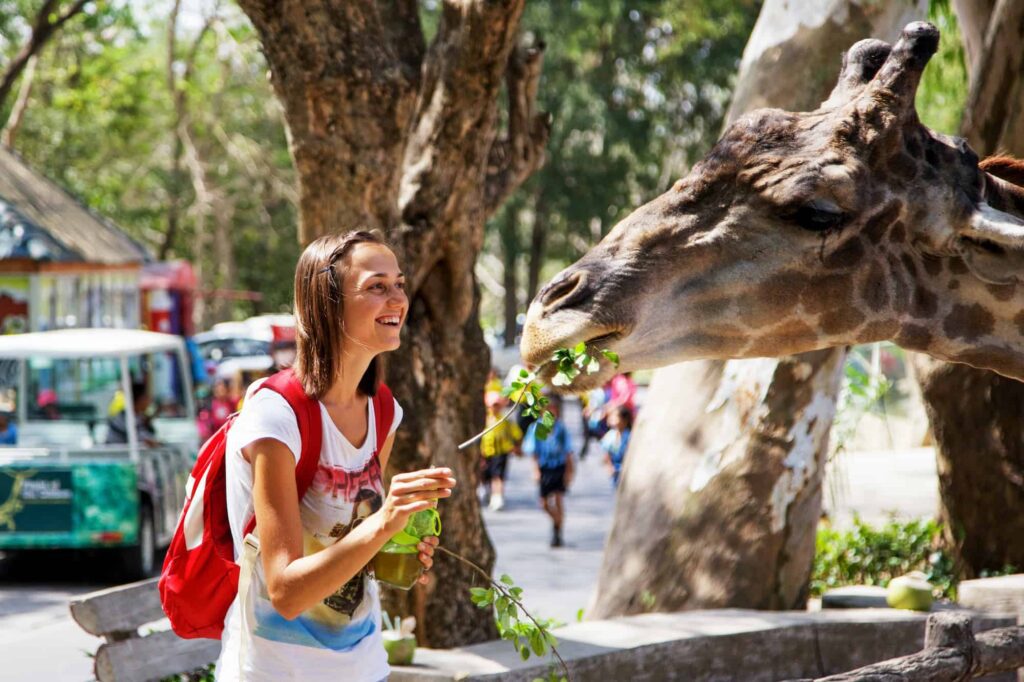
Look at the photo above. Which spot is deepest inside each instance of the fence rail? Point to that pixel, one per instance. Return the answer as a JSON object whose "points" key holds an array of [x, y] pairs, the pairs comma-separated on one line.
{"points": [[951, 652]]}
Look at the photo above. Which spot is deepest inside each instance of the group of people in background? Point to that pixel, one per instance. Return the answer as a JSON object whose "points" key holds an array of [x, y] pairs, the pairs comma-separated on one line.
{"points": [[608, 414]]}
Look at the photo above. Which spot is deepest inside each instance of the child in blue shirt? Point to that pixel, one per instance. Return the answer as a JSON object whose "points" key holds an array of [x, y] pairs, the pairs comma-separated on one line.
{"points": [[553, 458], [616, 441]]}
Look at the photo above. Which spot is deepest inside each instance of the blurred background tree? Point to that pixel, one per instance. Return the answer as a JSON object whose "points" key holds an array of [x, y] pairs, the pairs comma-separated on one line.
{"points": [[637, 91]]}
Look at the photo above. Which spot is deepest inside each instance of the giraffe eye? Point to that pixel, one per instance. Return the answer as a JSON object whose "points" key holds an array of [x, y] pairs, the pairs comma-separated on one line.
{"points": [[817, 216]]}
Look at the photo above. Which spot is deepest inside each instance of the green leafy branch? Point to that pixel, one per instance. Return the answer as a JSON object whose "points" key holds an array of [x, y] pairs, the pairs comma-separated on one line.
{"points": [[528, 389], [530, 636]]}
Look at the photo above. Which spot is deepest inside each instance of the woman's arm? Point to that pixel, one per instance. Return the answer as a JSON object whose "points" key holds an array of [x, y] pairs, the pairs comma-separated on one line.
{"points": [[296, 582]]}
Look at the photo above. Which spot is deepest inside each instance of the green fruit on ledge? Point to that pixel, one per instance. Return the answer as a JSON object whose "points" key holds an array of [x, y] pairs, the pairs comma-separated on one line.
{"points": [[911, 591]]}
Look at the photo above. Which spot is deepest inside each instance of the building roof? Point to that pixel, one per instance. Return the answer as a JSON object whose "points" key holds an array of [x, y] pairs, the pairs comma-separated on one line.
{"points": [[41, 220]]}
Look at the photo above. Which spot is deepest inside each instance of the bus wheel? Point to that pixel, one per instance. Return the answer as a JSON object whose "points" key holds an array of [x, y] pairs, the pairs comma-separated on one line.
{"points": [[138, 560]]}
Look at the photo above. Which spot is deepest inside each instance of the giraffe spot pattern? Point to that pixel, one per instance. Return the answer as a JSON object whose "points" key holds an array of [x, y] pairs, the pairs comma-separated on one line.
{"points": [[932, 265], [925, 303], [898, 234], [957, 266], [903, 166], [825, 293], [874, 290], [877, 225], [914, 336], [900, 279], [968, 322], [846, 256], [1002, 292], [878, 331], [840, 320]]}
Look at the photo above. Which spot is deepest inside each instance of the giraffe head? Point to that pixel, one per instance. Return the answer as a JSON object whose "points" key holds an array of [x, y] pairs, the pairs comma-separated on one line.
{"points": [[849, 224]]}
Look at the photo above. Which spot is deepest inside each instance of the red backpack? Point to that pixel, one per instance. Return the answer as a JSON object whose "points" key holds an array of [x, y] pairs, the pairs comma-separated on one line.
{"points": [[199, 580]]}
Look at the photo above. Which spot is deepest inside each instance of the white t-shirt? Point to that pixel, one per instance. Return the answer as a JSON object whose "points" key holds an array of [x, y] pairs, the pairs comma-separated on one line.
{"points": [[340, 638]]}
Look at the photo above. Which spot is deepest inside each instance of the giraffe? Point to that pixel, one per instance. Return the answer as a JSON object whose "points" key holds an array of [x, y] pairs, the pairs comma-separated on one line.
{"points": [[849, 224]]}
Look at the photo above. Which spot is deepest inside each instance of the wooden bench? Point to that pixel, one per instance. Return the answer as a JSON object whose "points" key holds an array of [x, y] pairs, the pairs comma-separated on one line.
{"points": [[119, 614]]}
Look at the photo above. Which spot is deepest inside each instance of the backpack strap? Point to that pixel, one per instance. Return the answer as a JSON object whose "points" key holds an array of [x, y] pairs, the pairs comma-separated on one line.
{"points": [[384, 414], [307, 414]]}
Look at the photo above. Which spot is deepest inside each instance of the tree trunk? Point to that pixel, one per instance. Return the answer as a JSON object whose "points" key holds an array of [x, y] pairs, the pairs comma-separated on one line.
{"points": [[975, 414], [510, 256], [386, 132], [979, 433], [721, 493], [538, 239]]}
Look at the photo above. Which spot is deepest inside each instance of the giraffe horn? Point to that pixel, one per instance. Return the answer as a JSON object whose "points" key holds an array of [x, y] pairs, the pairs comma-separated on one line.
{"points": [[860, 64], [894, 87]]}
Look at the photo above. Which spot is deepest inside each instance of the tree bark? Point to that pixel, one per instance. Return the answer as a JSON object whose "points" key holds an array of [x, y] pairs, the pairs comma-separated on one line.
{"points": [[721, 493], [995, 75], [386, 132], [47, 22], [975, 414], [979, 433], [510, 258], [973, 17], [538, 240]]}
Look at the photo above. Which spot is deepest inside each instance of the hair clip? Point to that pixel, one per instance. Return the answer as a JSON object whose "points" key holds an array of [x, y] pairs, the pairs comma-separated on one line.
{"points": [[322, 270]]}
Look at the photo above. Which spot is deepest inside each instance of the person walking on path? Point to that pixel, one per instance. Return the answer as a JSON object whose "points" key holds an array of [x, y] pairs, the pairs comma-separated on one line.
{"points": [[616, 441], [312, 611], [621, 392], [553, 458], [496, 446]]}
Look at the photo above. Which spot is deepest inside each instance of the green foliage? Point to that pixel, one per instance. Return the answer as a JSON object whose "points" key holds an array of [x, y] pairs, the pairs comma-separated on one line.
{"points": [[198, 675], [861, 391], [101, 121], [943, 89], [570, 362], [867, 555], [637, 90], [529, 636]]}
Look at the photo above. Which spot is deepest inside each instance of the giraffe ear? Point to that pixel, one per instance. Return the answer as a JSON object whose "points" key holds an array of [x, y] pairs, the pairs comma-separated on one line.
{"points": [[992, 245], [860, 64]]}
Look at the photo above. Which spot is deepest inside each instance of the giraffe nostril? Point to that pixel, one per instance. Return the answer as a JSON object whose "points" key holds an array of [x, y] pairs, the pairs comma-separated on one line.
{"points": [[567, 290]]}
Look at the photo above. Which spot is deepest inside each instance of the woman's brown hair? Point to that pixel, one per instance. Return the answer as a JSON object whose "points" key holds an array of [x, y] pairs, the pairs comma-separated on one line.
{"points": [[319, 308]]}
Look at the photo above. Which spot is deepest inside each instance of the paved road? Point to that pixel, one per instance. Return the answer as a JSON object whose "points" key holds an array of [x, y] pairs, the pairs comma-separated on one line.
{"points": [[40, 641], [557, 582]]}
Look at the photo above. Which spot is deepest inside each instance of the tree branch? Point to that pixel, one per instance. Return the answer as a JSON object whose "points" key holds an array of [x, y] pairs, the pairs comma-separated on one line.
{"points": [[518, 155], [10, 130], [449, 146], [42, 30]]}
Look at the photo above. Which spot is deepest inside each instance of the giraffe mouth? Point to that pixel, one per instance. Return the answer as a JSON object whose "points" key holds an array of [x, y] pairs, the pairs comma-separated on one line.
{"points": [[584, 382]]}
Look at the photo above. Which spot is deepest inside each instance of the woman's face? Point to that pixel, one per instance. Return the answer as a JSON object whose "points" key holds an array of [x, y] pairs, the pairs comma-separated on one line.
{"points": [[375, 304]]}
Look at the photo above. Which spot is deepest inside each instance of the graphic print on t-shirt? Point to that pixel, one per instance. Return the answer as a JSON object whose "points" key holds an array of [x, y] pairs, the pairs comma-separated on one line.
{"points": [[338, 500]]}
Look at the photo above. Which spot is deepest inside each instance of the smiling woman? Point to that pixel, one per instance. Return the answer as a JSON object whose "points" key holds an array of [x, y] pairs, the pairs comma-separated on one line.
{"points": [[311, 606]]}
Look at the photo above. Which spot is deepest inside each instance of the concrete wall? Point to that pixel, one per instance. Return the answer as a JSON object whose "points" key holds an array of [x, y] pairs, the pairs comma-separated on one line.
{"points": [[727, 644]]}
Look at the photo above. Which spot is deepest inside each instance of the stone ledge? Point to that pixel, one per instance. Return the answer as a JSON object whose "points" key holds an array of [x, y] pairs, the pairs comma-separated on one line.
{"points": [[698, 645], [1003, 594]]}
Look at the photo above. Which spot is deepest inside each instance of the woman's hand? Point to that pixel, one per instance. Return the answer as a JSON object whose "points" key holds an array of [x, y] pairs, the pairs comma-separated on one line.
{"points": [[413, 492], [426, 548]]}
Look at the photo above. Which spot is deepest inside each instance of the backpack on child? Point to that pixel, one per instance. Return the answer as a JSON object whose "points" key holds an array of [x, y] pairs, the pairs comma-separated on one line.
{"points": [[200, 575]]}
